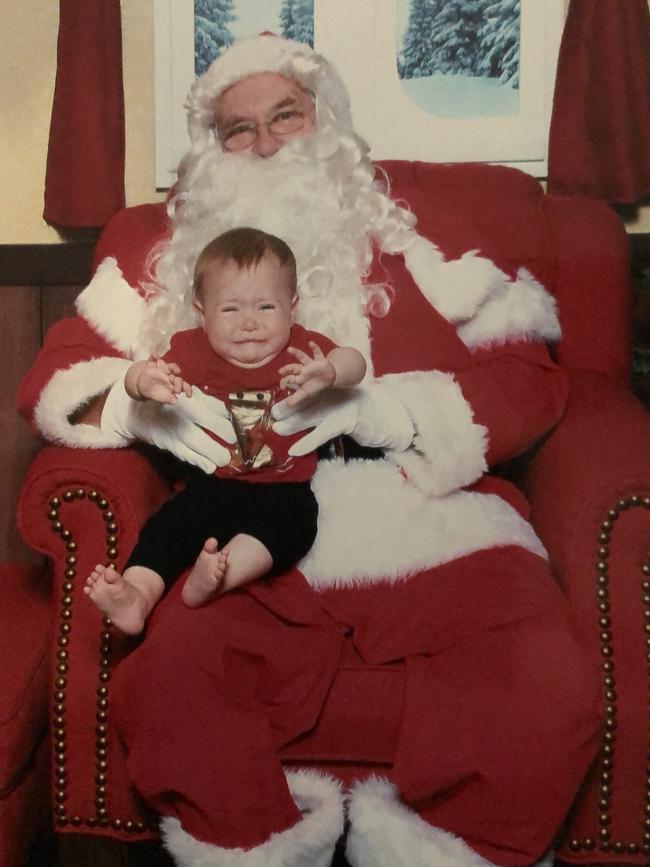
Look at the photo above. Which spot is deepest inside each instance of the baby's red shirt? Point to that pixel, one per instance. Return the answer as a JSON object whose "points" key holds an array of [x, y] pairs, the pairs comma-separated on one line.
{"points": [[260, 455]]}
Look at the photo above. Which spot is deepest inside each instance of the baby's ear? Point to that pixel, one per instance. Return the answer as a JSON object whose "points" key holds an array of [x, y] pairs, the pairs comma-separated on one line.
{"points": [[294, 301], [196, 304]]}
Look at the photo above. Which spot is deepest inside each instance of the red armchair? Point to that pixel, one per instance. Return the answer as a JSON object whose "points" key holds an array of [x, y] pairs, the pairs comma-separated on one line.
{"points": [[588, 485], [24, 753]]}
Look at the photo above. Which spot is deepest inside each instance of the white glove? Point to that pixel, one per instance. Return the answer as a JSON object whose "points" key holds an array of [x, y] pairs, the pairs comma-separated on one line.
{"points": [[173, 427], [369, 415]]}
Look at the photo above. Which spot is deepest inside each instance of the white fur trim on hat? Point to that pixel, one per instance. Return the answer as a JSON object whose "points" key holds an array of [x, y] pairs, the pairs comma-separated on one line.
{"points": [[448, 450], [384, 832], [266, 54], [375, 526], [68, 390], [310, 843], [113, 307]]}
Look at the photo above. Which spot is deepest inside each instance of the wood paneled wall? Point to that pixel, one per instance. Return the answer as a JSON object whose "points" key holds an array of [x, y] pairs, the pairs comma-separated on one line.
{"points": [[38, 285]]}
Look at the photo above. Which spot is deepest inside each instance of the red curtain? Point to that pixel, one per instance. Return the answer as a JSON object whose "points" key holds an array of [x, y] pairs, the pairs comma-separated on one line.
{"points": [[599, 144], [84, 181]]}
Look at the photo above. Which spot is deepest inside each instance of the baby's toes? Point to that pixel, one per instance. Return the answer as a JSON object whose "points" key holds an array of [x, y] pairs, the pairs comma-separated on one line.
{"points": [[211, 545], [109, 574]]}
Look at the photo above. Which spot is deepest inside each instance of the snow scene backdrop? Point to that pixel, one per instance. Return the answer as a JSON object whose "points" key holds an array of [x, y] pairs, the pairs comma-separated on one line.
{"points": [[460, 58], [217, 23]]}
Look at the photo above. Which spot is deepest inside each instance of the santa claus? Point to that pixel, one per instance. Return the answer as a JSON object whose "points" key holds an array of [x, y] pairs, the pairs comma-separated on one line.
{"points": [[420, 555]]}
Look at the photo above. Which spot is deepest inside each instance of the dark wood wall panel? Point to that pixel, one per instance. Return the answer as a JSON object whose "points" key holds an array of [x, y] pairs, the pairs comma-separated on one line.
{"points": [[20, 330], [38, 285], [26, 312], [47, 264], [57, 303]]}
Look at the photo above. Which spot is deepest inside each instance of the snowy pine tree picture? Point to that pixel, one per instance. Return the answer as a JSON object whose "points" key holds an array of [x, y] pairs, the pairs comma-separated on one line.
{"points": [[454, 42], [415, 59], [460, 58], [297, 19], [499, 40], [211, 33], [218, 23]]}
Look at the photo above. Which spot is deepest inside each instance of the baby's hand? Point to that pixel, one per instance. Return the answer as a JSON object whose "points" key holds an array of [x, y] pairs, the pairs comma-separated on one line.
{"points": [[308, 376], [156, 380]]}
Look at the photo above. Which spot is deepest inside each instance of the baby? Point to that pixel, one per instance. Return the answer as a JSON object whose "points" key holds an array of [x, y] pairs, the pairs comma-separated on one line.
{"points": [[257, 515]]}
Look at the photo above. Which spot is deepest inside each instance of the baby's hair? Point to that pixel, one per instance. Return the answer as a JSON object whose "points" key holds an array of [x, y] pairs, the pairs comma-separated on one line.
{"points": [[246, 247]]}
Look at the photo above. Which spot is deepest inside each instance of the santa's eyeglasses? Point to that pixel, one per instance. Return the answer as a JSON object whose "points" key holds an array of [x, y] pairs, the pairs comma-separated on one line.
{"points": [[284, 122]]}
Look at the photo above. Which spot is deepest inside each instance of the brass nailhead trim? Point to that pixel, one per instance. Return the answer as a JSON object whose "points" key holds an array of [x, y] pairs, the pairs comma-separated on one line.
{"points": [[102, 818], [604, 842]]}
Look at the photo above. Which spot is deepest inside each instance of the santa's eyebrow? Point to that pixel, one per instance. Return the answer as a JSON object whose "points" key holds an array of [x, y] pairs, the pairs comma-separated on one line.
{"points": [[283, 103]]}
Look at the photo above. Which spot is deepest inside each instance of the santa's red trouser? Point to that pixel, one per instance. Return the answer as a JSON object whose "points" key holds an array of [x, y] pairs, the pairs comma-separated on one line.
{"points": [[500, 718]]}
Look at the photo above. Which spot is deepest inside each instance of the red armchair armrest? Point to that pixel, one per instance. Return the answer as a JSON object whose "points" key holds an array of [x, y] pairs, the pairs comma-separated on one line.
{"points": [[122, 477], [589, 488], [81, 507]]}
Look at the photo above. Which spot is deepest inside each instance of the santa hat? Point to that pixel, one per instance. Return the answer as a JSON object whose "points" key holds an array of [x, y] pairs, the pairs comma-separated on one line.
{"points": [[266, 53]]}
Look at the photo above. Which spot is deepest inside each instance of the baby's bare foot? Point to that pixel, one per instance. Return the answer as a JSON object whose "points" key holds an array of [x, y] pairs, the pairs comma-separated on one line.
{"points": [[206, 577], [116, 598]]}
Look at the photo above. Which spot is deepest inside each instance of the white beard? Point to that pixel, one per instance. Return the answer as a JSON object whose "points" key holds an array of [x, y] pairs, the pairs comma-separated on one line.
{"points": [[306, 195]]}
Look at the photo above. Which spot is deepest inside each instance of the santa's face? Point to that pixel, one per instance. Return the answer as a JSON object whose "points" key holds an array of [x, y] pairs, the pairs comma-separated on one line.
{"points": [[315, 191], [247, 312], [262, 112]]}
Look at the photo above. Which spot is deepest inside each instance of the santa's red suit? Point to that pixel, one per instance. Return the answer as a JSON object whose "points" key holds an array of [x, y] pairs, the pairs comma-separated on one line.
{"points": [[420, 556]]}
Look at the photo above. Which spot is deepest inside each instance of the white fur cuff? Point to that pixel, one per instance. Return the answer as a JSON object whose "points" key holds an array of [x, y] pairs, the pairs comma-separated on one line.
{"points": [[456, 288], [448, 450], [521, 310], [310, 843], [482, 300], [68, 390]]}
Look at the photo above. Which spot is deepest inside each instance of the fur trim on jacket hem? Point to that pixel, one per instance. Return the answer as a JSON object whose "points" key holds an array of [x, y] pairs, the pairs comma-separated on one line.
{"points": [[448, 450], [374, 525]]}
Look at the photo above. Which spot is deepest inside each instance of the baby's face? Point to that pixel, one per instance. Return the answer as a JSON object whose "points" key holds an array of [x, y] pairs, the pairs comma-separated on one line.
{"points": [[247, 313]]}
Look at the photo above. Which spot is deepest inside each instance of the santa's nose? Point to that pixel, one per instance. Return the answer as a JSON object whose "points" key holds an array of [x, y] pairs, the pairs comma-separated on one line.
{"points": [[266, 144]]}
